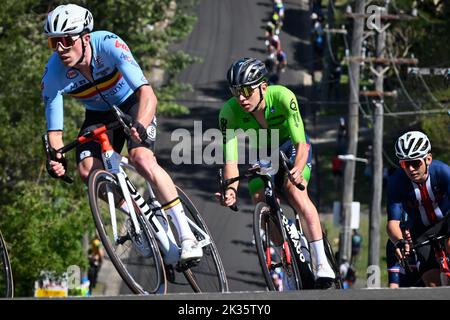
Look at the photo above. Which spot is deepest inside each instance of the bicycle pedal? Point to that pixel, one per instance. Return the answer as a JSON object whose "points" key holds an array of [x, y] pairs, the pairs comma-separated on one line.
{"points": [[187, 265]]}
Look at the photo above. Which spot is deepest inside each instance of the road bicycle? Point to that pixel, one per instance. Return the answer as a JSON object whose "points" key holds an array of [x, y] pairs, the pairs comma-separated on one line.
{"points": [[6, 278], [437, 243], [136, 232], [283, 250]]}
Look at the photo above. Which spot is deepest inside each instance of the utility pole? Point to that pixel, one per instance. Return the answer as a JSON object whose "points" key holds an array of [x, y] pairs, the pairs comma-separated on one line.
{"points": [[345, 245], [378, 122], [377, 154]]}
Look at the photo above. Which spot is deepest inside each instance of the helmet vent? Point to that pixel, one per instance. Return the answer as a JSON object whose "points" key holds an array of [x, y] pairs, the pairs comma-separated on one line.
{"points": [[55, 22]]}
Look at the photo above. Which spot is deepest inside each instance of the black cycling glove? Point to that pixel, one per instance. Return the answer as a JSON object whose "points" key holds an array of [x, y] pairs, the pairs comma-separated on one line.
{"points": [[400, 244], [62, 160], [142, 131]]}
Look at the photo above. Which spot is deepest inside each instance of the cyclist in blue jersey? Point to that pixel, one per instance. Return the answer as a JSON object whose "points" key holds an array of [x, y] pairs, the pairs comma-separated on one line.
{"points": [[98, 69], [421, 188]]}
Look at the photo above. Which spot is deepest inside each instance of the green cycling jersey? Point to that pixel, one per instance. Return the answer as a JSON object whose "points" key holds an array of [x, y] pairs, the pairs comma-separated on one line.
{"points": [[281, 112]]}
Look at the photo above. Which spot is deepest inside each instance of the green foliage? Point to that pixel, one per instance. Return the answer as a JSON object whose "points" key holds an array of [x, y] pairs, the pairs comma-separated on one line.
{"points": [[44, 226]]}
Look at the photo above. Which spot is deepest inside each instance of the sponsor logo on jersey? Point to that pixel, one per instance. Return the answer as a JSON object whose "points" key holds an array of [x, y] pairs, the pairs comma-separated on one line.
{"points": [[71, 74], [122, 45], [110, 36], [128, 59], [99, 61], [293, 105]]}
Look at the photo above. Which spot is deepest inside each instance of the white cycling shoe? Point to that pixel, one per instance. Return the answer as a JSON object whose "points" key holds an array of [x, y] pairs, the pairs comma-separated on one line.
{"points": [[324, 271], [190, 251]]}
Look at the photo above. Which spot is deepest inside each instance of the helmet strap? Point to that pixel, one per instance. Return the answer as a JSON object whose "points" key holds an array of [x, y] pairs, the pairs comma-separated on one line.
{"points": [[83, 50], [261, 98]]}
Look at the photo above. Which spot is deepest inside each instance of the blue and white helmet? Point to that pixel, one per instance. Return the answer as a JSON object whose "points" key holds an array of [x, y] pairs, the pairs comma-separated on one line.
{"points": [[69, 19], [412, 145]]}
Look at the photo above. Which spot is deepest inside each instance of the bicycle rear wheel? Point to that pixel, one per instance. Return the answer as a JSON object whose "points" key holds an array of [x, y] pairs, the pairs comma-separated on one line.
{"points": [[136, 256], [209, 274], [280, 271], [6, 279]]}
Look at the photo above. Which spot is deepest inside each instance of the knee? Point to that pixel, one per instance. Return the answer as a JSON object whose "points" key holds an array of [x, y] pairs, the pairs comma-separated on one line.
{"points": [[145, 162]]}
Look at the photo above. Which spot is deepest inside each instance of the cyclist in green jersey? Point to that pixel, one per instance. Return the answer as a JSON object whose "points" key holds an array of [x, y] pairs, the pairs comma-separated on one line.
{"points": [[256, 105]]}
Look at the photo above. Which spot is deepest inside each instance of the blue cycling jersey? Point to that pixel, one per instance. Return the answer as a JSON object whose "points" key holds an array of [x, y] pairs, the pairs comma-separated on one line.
{"points": [[425, 203], [115, 72]]}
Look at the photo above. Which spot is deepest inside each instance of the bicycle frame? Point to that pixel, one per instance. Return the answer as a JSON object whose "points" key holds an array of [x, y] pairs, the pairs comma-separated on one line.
{"points": [[167, 242], [440, 253], [289, 231], [114, 163]]}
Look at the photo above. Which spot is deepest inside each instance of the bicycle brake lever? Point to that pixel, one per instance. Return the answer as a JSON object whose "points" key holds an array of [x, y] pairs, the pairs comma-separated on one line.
{"points": [[121, 117]]}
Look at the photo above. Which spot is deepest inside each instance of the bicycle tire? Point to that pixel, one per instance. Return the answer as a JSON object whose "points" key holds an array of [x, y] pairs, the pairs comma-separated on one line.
{"points": [[6, 277], [209, 275], [332, 261], [142, 270], [289, 273]]}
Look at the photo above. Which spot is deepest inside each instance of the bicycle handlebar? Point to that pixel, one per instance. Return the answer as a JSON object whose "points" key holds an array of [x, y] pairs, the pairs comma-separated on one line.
{"points": [[250, 173], [123, 120]]}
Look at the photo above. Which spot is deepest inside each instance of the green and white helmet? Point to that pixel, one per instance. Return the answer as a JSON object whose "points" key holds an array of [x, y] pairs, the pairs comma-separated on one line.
{"points": [[69, 19]]}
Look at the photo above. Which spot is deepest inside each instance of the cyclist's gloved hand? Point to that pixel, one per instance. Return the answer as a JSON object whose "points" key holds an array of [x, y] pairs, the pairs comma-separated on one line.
{"points": [[402, 248], [138, 132], [57, 165]]}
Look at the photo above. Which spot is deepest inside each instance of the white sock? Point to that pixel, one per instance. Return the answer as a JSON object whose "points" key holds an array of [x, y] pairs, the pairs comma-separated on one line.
{"points": [[175, 210], [318, 253]]}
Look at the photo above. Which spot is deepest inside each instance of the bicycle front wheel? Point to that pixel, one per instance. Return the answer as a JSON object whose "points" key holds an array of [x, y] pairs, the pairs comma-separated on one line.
{"points": [[6, 279], [136, 256], [278, 263], [209, 274]]}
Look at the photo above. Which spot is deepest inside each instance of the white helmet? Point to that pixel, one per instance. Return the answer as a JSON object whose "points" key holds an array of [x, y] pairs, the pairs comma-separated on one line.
{"points": [[68, 19], [412, 145]]}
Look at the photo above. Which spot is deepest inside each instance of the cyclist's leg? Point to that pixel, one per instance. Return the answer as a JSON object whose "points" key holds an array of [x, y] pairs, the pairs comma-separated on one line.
{"points": [[145, 162], [428, 266], [306, 208]]}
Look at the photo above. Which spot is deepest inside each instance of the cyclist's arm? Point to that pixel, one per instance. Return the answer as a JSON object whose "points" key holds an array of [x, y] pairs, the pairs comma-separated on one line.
{"points": [[134, 76], [53, 104], [395, 212], [230, 146], [296, 129], [147, 105], [56, 139]]}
